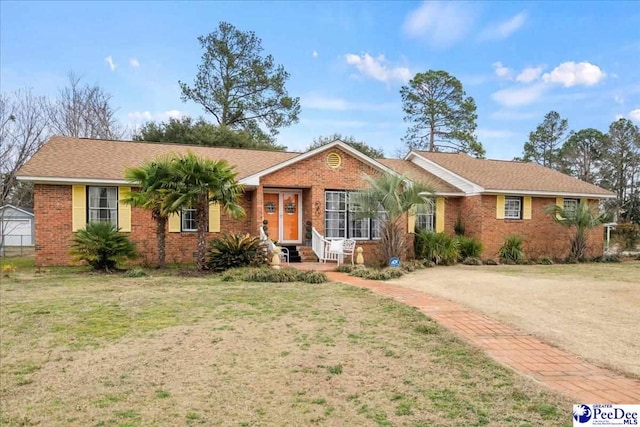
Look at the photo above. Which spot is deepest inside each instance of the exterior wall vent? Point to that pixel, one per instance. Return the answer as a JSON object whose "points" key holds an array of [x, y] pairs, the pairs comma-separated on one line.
{"points": [[334, 160]]}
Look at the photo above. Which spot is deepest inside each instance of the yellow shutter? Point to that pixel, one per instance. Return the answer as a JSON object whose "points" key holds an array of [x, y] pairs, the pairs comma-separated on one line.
{"points": [[439, 214], [559, 202], [411, 220], [79, 207], [526, 208], [499, 207], [124, 210], [214, 217], [174, 223]]}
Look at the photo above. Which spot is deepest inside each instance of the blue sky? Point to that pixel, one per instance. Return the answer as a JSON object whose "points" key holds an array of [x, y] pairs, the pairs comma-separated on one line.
{"points": [[347, 60]]}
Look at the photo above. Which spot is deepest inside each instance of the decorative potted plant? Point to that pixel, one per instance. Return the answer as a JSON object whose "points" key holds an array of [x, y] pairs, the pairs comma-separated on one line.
{"points": [[307, 233]]}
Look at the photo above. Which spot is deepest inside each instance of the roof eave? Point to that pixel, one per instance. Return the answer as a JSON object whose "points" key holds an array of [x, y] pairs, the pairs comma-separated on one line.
{"points": [[550, 193], [448, 176], [255, 178], [68, 180]]}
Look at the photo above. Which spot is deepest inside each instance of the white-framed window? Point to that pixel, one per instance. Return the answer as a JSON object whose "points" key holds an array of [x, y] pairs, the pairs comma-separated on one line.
{"points": [[570, 207], [102, 204], [513, 207], [188, 222], [341, 218], [426, 216]]}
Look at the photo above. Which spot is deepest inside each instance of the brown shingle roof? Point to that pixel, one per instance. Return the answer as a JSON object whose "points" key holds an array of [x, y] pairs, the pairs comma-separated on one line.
{"points": [[416, 173], [66, 157], [503, 175]]}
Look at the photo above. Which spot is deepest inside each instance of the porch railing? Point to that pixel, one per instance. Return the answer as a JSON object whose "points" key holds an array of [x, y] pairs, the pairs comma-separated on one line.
{"points": [[317, 243]]}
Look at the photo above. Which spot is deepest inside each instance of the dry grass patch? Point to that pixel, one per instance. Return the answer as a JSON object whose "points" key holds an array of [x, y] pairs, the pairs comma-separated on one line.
{"points": [[100, 350], [590, 310]]}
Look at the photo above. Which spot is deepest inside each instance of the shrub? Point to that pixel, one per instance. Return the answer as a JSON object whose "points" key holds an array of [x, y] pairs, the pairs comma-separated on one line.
{"points": [[490, 261], [284, 275], [314, 277], [101, 246], [345, 268], [375, 274], [545, 261], [459, 228], [469, 247], [439, 248], [511, 250], [135, 272], [472, 261], [629, 235], [232, 251]]}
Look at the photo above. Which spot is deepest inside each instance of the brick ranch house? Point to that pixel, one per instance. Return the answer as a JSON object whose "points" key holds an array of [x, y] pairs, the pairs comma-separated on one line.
{"points": [[78, 180]]}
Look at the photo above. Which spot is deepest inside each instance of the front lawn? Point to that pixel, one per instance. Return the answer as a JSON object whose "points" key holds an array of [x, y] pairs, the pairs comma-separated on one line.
{"points": [[96, 350]]}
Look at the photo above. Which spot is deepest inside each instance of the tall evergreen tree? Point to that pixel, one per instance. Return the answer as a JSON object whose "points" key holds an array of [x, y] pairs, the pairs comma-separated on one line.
{"points": [[238, 86], [545, 142], [621, 166], [441, 116], [581, 155]]}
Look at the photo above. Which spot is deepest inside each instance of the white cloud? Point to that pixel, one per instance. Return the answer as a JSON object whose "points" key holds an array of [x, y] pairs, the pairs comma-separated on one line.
{"points": [[316, 102], [501, 71], [635, 115], [502, 30], [515, 96], [575, 74], [376, 68], [441, 24], [529, 74], [109, 60], [146, 116], [134, 62], [314, 54], [618, 99]]}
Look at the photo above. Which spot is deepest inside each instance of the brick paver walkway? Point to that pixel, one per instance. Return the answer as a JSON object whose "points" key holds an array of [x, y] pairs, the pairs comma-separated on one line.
{"points": [[525, 353]]}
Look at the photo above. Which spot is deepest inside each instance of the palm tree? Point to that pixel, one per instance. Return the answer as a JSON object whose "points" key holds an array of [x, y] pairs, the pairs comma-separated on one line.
{"points": [[150, 177], [387, 199], [194, 183], [583, 218]]}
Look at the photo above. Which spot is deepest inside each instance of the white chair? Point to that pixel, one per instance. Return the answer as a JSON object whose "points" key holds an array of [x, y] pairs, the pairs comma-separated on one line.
{"points": [[284, 252], [337, 249]]}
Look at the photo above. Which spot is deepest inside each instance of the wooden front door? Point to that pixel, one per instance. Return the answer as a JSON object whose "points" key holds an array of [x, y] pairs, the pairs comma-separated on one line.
{"points": [[271, 212], [283, 212], [290, 217]]}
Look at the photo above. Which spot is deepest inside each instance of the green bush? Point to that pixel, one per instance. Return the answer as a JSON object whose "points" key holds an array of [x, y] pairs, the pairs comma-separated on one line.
{"points": [[345, 268], [511, 250], [629, 235], [233, 251], [136, 272], [545, 261], [439, 248], [101, 246], [472, 261], [283, 275], [468, 247]]}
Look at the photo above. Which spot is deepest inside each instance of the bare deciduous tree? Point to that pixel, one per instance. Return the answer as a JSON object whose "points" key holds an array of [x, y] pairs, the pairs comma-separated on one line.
{"points": [[84, 110], [24, 127]]}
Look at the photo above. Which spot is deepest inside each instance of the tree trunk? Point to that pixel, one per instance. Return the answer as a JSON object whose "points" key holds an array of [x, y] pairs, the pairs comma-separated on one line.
{"points": [[202, 211], [161, 232]]}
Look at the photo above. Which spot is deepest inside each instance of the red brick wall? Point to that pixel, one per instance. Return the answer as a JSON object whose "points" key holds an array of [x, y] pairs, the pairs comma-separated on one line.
{"points": [[52, 208], [53, 213], [542, 236], [314, 174]]}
